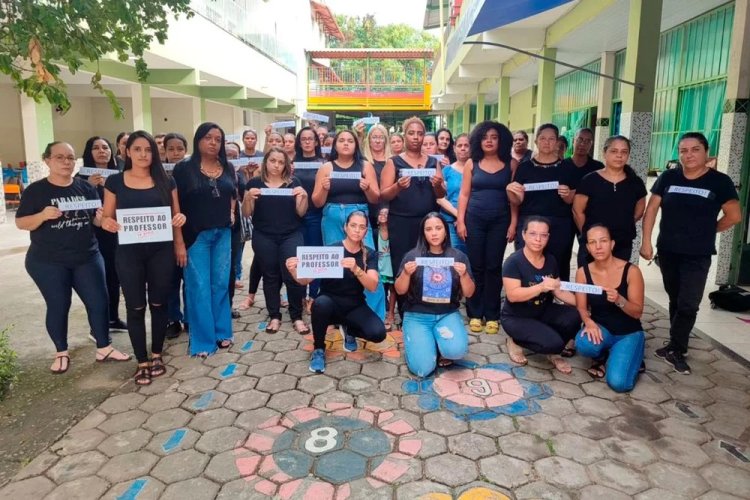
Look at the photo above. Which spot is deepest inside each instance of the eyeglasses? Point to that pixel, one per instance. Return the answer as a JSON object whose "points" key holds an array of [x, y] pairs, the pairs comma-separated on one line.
{"points": [[306, 139], [537, 236], [215, 188], [64, 158]]}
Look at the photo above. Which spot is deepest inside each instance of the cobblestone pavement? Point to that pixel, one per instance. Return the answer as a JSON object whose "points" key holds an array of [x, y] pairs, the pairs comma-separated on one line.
{"points": [[254, 422]]}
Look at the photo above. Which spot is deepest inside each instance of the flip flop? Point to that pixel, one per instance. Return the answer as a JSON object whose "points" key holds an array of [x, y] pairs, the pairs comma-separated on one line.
{"points": [[302, 331], [64, 365], [108, 359], [272, 330]]}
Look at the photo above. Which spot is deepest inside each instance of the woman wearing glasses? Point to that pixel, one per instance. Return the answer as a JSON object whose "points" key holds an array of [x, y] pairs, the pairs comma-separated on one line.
{"points": [[207, 190], [529, 316]]}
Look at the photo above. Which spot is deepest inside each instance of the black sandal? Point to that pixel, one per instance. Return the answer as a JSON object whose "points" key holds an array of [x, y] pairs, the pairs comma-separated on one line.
{"points": [[597, 370], [157, 367], [64, 364], [142, 376], [568, 352], [224, 344]]}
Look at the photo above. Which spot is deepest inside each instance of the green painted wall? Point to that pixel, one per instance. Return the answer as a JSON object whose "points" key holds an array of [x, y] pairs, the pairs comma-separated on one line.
{"points": [[575, 101], [522, 110]]}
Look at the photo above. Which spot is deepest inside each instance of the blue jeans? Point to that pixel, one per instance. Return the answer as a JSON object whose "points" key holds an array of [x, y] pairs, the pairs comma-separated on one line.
{"points": [[334, 219], [174, 310], [625, 356], [56, 282], [238, 262], [207, 287], [312, 233], [456, 242], [426, 334]]}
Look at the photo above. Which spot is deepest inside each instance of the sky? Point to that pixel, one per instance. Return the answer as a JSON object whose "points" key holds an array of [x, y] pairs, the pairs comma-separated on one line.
{"points": [[409, 12]]}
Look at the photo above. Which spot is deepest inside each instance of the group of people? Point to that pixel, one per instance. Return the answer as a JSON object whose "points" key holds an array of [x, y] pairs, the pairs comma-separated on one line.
{"points": [[423, 221]]}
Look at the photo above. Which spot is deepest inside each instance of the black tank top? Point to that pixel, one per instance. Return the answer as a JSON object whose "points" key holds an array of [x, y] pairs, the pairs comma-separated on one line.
{"points": [[488, 196], [418, 199], [346, 191], [608, 314]]}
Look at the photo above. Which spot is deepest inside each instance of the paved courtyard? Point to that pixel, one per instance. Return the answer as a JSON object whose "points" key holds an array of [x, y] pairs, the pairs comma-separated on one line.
{"points": [[255, 423]]}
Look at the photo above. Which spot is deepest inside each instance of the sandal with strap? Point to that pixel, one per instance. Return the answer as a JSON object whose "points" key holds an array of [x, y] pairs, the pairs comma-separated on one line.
{"points": [[597, 370], [108, 358], [273, 329], [475, 325], [491, 327], [390, 320], [303, 329], [224, 344], [157, 367], [142, 376], [246, 304], [64, 364]]}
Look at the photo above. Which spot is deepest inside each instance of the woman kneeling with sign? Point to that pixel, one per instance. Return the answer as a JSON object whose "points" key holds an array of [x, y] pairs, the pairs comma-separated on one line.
{"points": [[342, 301], [433, 277], [612, 318], [144, 200], [531, 280]]}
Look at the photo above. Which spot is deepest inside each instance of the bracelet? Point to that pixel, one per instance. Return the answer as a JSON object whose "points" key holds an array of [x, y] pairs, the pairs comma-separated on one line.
{"points": [[621, 305], [359, 272]]}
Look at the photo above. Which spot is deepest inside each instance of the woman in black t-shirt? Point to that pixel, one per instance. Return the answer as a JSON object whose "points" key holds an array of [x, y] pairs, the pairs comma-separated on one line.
{"points": [[277, 202], [342, 301], [611, 320], [146, 268], [377, 149], [432, 322], [207, 191], [64, 255], [529, 316], [690, 198], [613, 196], [542, 186]]}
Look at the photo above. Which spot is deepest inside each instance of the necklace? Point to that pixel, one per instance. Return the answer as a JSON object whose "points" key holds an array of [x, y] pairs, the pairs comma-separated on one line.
{"points": [[213, 174]]}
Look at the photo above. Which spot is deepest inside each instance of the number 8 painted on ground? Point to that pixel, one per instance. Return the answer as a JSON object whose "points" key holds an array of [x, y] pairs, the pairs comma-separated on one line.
{"points": [[316, 435]]}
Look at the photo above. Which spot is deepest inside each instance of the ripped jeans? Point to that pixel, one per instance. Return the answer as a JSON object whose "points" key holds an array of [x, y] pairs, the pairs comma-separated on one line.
{"points": [[427, 334]]}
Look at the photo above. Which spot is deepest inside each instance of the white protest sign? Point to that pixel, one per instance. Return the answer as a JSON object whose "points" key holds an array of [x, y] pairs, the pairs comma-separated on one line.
{"points": [[439, 158], [286, 124], [239, 163], [104, 172], [67, 206], [307, 165], [326, 150], [435, 261], [320, 262], [233, 138], [144, 225], [346, 175], [567, 286], [276, 192], [417, 172], [368, 120], [168, 166], [314, 117], [541, 186], [703, 193]]}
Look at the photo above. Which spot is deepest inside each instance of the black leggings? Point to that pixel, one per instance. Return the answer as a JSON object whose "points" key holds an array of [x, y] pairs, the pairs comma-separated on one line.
{"points": [[146, 266], [271, 252], [560, 243], [255, 277], [546, 334], [359, 320], [403, 233], [485, 247], [108, 248]]}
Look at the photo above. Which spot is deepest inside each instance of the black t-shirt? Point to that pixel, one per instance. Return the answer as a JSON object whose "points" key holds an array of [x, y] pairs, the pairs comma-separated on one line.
{"points": [[517, 266], [349, 288], [415, 300], [197, 201], [136, 198], [689, 210], [419, 198], [275, 214], [548, 202], [70, 239], [591, 165], [612, 204], [306, 178]]}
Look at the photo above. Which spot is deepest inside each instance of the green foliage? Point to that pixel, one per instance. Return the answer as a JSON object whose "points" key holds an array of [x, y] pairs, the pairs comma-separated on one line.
{"points": [[39, 37], [8, 363]]}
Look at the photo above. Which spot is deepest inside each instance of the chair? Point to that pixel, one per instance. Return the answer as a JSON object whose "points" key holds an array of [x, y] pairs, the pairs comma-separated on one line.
{"points": [[12, 195]]}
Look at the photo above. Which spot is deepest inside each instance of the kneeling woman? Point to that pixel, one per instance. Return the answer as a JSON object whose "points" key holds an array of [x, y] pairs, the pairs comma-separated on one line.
{"points": [[342, 301], [612, 320], [432, 322], [531, 280]]}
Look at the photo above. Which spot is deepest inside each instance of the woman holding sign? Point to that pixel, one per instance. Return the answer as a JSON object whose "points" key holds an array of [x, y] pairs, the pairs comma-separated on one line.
{"points": [[97, 154], [453, 175], [529, 316], [277, 202], [64, 255], [691, 199], [611, 318], [433, 277], [142, 200], [545, 186], [445, 144], [377, 149], [207, 192], [486, 221], [342, 301]]}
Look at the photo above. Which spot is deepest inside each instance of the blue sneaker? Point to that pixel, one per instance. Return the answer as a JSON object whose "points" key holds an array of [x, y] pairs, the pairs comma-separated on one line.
{"points": [[318, 361], [350, 341]]}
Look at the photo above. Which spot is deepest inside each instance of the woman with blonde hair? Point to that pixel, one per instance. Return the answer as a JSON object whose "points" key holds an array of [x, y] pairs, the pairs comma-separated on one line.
{"points": [[377, 149]]}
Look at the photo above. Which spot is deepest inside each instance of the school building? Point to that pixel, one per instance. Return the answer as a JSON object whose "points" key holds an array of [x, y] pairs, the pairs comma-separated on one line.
{"points": [[647, 69]]}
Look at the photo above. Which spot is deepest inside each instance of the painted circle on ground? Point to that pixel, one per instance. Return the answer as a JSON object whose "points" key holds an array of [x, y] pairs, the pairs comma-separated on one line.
{"points": [[317, 454], [473, 392]]}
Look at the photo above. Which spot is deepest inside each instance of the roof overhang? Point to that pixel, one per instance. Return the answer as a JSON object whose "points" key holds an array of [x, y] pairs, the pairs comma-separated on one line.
{"points": [[326, 20], [371, 54]]}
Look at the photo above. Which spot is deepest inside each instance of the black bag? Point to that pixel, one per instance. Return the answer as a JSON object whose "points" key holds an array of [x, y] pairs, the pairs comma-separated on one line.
{"points": [[730, 298]]}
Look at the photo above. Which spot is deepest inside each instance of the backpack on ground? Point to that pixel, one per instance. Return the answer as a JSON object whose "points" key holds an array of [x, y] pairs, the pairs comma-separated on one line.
{"points": [[730, 298]]}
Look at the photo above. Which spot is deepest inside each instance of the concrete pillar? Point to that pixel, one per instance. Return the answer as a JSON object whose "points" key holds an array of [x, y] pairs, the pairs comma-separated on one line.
{"points": [[466, 123], [38, 131], [480, 108], [141, 95], [636, 121], [545, 95], [198, 114], [604, 103], [733, 148], [503, 100]]}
